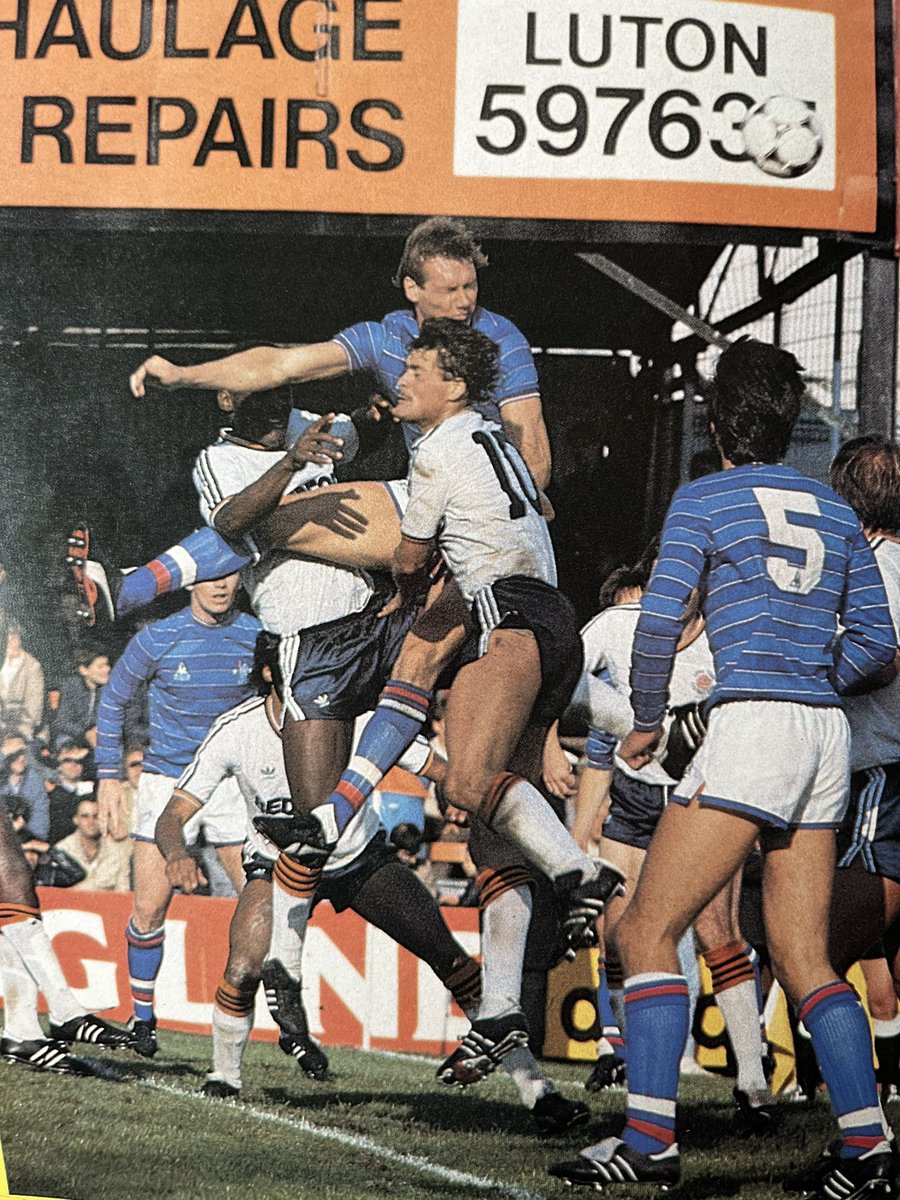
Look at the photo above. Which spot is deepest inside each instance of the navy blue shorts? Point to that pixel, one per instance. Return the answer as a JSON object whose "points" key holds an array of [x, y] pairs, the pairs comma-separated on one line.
{"points": [[337, 670], [634, 810], [340, 887], [519, 602], [871, 828]]}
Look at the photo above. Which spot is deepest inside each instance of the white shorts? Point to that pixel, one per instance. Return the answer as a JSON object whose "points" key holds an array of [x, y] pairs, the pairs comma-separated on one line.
{"points": [[223, 818], [775, 761]]}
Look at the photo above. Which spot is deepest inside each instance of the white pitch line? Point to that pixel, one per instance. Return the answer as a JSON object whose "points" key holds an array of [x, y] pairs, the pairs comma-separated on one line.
{"points": [[356, 1142]]}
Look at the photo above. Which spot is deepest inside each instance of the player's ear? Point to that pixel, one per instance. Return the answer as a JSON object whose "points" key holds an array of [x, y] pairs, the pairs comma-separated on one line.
{"points": [[225, 400], [411, 289], [456, 391]]}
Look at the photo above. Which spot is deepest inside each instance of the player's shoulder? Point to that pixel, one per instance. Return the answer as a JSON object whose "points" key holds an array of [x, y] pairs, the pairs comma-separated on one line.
{"points": [[401, 322], [246, 623], [611, 620], [789, 479], [495, 326]]}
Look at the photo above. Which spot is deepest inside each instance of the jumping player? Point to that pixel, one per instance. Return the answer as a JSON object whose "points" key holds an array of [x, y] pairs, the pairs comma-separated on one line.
{"points": [[195, 664], [796, 614], [438, 276], [472, 498]]}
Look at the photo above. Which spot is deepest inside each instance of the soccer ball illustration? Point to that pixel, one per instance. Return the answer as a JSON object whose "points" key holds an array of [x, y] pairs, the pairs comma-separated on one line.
{"points": [[783, 136]]}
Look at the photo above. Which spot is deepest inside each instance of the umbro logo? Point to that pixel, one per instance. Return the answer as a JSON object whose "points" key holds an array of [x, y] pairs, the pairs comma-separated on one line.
{"points": [[321, 700]]}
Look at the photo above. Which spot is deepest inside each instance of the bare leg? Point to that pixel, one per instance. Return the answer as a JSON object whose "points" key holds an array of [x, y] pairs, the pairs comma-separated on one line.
{"points": [[232, 1019], [231, 859], [315, 755]]}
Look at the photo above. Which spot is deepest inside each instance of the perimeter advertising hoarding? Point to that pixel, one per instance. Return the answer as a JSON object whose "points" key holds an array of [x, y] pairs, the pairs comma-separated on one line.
{"points": [[625, 110]]}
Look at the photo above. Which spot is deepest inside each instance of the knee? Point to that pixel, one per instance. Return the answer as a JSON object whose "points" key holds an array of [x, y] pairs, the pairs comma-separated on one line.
{"points": [[243, 975], [17, 884], [465, 787]]}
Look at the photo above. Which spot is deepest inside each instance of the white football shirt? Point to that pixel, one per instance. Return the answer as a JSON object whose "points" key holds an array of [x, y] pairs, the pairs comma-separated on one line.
{"points": [[470, 489], [608, 639], [288, 593], [243, 744]]}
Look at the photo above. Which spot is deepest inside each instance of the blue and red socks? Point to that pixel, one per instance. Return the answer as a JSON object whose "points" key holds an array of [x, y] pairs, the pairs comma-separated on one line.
{"points": [[836, 1022], [657, 1014], [145, 955], [202, 555], [400, 714]]}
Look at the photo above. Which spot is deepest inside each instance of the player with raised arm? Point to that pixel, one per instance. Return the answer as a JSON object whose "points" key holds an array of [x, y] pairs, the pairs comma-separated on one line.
{"points": [[438, 273], [796, 614], [473, 500]]}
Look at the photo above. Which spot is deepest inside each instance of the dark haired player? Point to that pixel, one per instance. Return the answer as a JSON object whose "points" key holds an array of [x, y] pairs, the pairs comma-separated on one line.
{"points": [[472, 498], [796, 614]]}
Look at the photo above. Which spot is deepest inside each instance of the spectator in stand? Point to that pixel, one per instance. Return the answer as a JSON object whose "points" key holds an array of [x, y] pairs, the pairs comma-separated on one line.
{"points": [[127, 806], [106, 863], [21, 687], [70, 788], [26, 782], [75, 719]]}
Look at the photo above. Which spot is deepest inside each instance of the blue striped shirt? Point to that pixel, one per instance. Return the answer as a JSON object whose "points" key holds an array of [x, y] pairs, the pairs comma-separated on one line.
{"points": [[781, 562], [194, 672], [382, 346]]}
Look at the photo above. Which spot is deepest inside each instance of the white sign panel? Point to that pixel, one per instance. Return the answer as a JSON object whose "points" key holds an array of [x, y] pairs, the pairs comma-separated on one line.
{"points": [[643, 90]]}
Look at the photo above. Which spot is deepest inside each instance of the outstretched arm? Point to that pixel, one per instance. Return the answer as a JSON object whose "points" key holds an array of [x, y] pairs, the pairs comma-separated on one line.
{"points": [[252, 370]]}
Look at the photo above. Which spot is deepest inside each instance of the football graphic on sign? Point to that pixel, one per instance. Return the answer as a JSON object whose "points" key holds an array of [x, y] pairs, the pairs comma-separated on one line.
{"points": [[783, 136]]}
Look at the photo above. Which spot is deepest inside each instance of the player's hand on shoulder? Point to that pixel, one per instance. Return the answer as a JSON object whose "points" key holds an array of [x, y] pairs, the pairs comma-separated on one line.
{"points": [[637, 749], [184, 874], [153, 372], [317, 444]]}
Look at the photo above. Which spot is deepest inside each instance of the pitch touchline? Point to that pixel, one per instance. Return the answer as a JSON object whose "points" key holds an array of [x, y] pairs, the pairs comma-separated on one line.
{"points": [[357, 1142]]}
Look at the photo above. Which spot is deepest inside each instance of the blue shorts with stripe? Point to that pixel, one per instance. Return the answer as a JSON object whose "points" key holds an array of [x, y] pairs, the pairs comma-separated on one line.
{"points": [[337, 670], [871, 828], [634, 810]]}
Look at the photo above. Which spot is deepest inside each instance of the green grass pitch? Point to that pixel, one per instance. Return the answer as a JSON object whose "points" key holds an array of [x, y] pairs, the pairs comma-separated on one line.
{"points": [[380, 1126]]}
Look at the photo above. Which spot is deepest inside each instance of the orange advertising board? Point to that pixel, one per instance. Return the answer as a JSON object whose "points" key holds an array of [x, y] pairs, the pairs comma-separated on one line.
{"points": [[632, 110]]}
